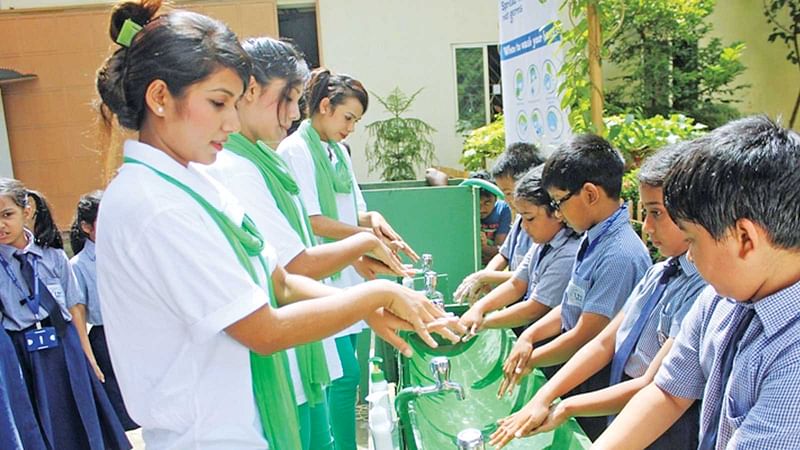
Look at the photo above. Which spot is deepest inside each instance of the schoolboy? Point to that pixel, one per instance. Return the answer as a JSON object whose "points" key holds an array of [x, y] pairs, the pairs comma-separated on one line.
{"points": [[735, 198], [584, 178], [495, 223], [638, 338]]}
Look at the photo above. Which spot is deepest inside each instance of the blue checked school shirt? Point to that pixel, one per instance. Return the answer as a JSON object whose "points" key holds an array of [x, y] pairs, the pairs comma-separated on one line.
{"points": [[666, 318], [54, 271], [761, 406], [516, 245], [548, 278], [85, 268], [602, 282]]}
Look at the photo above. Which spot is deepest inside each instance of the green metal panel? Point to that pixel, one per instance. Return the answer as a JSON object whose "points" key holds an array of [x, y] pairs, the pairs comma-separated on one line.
{"points": [[443, 221]]}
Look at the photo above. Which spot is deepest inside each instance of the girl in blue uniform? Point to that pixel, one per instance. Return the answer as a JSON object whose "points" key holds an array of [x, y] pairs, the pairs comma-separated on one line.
{"points": [[18, 427], [87, 309], [37, 286]]}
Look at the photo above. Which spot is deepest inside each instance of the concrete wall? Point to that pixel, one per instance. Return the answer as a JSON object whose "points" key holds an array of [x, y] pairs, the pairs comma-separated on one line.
{"points": [[774, 81], [51, 123], [407, 44]]}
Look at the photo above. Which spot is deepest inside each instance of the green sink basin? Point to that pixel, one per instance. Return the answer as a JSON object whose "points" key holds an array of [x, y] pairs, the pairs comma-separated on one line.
{"points": [[477, 366]]}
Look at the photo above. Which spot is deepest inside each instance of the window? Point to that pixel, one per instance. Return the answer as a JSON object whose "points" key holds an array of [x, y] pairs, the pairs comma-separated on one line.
{"points": [[478, 85]]}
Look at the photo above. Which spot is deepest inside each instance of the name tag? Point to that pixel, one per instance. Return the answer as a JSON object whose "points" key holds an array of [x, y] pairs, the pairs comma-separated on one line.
{"points": [[575, 294], [41, 339], [57, 292]]}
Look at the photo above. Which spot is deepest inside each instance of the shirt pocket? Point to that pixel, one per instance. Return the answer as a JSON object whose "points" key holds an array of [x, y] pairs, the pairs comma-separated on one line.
{"points": [[56, 290], [576, 291], [735, 412]]}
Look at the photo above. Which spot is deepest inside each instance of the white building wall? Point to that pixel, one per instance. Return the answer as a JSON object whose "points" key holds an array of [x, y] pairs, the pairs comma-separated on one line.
{"points": [[409, 44]]}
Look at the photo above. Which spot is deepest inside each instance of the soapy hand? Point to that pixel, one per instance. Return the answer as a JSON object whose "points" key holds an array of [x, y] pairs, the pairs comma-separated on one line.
{"points": [[424, 316], [472, 320], [470, 288], [516, 366], [521, 423]]}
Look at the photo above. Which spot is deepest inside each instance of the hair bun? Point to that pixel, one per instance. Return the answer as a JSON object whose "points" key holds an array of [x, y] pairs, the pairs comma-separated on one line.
{"points": [[141, 12]]}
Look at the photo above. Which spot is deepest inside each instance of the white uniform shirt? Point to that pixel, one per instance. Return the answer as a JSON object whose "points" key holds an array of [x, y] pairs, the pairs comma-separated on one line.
{"points": [[294, 151], [169, 285], [243, 179]]}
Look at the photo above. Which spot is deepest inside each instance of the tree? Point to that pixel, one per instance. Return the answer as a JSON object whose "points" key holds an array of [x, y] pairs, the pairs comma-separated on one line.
{"points": [[399, 145], [784, 17]]}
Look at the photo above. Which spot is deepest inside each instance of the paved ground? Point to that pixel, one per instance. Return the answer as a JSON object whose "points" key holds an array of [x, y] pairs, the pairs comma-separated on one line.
{"points": [[138, 444]]}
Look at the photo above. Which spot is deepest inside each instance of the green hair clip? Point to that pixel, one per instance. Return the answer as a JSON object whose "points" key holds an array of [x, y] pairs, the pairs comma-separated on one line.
{"points": [[128, 31]]}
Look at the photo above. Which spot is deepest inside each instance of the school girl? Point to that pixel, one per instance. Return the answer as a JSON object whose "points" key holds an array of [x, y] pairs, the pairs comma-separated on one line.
{"points": [[37, 286], [189, 286], [336, 208], [18, 427], [260, 179], [87, 309]]}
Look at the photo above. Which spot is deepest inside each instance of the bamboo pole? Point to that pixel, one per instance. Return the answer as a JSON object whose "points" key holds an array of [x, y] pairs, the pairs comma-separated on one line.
{"points": [[595, 71]]}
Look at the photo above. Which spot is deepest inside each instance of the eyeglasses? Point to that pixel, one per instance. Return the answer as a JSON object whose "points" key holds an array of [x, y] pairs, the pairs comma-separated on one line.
{"points": [[556, 204]]}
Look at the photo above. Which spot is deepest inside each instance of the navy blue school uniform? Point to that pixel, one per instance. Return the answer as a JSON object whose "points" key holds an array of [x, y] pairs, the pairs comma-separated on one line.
{"points": [[71, 407], [85, 267], [652, 316], [609, 263], [18, 427]]}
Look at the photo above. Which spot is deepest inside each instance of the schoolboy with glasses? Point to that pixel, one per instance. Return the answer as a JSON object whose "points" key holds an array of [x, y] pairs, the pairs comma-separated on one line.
{"points": [[584, 179], [735, 198]]}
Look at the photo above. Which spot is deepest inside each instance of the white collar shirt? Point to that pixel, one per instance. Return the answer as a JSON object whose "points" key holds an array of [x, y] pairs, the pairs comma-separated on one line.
{"points": [[170, 285]]}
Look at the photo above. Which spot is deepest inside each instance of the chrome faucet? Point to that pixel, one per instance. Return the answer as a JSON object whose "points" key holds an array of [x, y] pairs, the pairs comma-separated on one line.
{"points": [[470, 439], [440, 368]]}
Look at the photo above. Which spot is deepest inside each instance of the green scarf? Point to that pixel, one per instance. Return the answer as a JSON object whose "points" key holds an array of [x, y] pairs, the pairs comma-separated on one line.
{"points": [[272, 386], [330, 180], [310, 357]]}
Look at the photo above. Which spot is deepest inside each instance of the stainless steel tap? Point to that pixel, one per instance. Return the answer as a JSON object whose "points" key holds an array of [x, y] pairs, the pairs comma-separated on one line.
{"points": [[440, 368], [470, 439]]}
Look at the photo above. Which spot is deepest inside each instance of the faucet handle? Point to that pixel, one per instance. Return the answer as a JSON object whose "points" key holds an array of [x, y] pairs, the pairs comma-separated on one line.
{"points": [[470, 439], [440, 368]]}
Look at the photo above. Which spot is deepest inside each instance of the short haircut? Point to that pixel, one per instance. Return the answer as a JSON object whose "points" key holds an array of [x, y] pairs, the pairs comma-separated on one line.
{"points": [[529, 188], [487, 193], [655, 168], [747, 169], [586, 158], [480, 175], [517, 160]]}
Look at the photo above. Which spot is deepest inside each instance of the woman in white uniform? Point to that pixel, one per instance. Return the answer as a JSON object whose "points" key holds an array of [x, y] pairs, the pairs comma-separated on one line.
{"points": [[336, 208], [188, 286], [258, 177]]}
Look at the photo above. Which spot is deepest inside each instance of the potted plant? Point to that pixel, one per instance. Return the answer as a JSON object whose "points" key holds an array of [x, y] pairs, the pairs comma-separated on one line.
{"points": [[398, 146]]}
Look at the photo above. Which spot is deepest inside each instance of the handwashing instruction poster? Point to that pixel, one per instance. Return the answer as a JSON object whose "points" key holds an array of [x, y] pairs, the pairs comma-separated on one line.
{"points": [[529, 63]]}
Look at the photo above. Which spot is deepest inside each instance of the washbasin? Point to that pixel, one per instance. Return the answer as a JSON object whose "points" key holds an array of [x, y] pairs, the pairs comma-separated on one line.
{"points": [[435, 421]]}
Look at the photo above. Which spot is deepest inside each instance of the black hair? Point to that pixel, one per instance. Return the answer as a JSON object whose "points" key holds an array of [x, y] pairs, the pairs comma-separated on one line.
{"points": [[655, 168], [335, 87], [530, 189], [86, 212], [586, 158], [276, 59], [517, 160], [180, 48], [746, 169], [45, 231], [486, 193], [481, 175]]}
